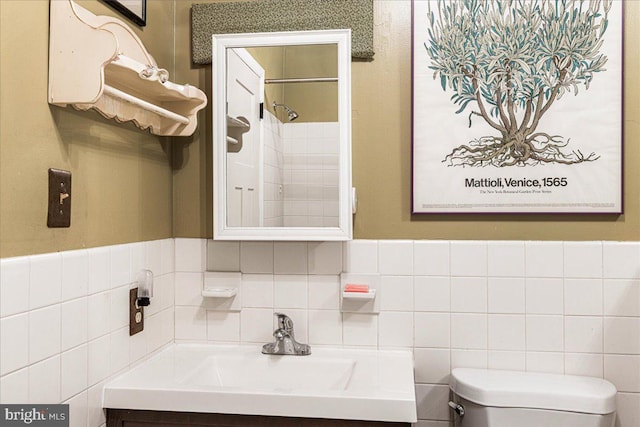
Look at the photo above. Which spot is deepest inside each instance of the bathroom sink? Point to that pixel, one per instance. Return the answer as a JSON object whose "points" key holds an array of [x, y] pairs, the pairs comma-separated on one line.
{"points": [[238, 379], [259, 372]]}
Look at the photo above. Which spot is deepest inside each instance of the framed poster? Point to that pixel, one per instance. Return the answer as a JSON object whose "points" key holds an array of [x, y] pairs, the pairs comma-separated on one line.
{"points": [[135, 10], [517, 106]]}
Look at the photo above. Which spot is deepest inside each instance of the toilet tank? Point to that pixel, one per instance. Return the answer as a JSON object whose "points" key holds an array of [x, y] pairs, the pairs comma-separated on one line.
{"points": [[494, 398]]}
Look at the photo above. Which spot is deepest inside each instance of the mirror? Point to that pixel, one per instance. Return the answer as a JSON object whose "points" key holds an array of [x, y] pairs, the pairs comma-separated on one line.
{"points": [[282, 136]]}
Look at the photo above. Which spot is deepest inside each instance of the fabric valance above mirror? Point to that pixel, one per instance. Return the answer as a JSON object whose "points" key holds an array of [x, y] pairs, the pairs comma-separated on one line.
{"points": [[282, 15]]}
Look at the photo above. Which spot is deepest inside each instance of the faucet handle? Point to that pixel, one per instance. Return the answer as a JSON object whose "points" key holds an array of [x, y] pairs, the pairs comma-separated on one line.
{"points": [[284, 322]]}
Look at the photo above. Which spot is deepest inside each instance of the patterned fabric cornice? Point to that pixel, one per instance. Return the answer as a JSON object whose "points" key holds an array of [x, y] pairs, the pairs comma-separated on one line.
{"points": [[282, 15]]}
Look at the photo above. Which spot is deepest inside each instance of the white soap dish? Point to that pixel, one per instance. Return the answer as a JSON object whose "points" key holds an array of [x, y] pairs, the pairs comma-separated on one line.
{"points": [[219, 292], [359, 295]]}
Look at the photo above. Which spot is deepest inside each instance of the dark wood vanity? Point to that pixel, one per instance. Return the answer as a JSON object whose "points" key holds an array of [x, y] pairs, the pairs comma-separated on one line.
{"points": [[131, 418]]}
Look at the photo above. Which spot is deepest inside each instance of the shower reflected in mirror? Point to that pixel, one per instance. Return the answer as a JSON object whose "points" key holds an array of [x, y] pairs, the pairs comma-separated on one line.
{"points": [[282, 135]]}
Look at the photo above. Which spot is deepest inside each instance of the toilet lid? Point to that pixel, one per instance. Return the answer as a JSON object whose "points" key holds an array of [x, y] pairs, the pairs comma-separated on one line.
{"points": [[534, 390]]}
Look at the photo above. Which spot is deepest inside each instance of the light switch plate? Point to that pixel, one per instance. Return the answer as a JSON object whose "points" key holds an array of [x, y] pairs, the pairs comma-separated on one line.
{"points": [[59, 212]]}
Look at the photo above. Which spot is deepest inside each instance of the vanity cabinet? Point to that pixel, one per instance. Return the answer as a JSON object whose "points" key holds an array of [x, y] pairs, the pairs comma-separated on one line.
{"points": [[130, 418]]}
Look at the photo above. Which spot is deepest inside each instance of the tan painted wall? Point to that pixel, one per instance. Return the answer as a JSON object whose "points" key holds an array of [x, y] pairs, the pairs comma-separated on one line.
{"points": [[314, 102], [121, 176], [124, 188], [381, 96]]}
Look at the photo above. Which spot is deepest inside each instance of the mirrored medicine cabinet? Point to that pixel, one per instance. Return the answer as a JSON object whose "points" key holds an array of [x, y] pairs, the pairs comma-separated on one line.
{"points": [[282, 136]]}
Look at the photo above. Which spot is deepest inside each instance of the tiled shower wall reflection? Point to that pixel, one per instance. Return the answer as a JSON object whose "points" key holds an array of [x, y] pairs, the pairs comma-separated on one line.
{"points": [[301, 163], [564, 307]]}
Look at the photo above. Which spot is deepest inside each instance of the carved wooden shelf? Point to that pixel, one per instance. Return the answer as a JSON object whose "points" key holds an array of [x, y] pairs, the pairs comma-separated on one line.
{"points": [[98, 62]]}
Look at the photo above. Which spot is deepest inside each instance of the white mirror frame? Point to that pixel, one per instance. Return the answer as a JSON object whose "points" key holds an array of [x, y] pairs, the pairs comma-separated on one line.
{"points": [[220, 44]]}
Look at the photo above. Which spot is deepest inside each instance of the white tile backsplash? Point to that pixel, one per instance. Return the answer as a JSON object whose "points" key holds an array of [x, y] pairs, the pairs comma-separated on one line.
{"points": [[469, 294], [432, 365], [506, 295], [621, 260], [14, 353], [78, 410], [623, 371], [290, 258], [432, 293], [98, 356], [544, 333], [99, 270], [74, 325], [325, 327], [99, 305], [395, 257], [544, 259], [45, 280], [468, 258], [75, 274], [506, 332], [431, 258], [256, 257], [583, 260], [621, 297], [324, 257], [44, 333], [360, 329], [619, 336], [432, 330], [544, 295], [583, 334], [44, 381], [14, 387], [360, 256], [14, 286], [223, 326], [64, 322], [395, 329], [190, 255], [397, 293], [549, 362], [324, 292], [505, 259], [586, 364], [120, 264], [563, 307], [509, 360], [469, 331], [256, 325], [73, 372], [583, 297], [290, 291]]}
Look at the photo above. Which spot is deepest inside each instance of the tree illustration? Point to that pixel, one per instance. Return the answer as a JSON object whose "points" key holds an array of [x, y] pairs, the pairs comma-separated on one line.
{"points": [[509, 61]]}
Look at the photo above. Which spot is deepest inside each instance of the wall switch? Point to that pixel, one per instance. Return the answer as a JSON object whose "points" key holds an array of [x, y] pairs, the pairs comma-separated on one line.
{"points": [[136, 313], [59, 213]]}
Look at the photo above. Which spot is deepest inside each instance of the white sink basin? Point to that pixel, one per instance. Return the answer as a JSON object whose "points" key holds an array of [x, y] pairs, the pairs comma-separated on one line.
{"points": [[234, 379], [276, 373]]}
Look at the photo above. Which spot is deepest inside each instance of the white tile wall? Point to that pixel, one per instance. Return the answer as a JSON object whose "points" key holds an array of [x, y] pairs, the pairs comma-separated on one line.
{"points": [[564, 307], [64, 322], [306, 167]]}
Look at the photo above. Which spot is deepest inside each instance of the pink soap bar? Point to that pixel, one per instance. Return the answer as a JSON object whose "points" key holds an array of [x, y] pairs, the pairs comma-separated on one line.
{"points": [[350, 287]]}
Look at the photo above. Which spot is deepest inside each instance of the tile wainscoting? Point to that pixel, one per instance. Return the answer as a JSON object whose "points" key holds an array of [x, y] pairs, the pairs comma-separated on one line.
{"points": [[564, 307], [571, 307], [64, 323]]}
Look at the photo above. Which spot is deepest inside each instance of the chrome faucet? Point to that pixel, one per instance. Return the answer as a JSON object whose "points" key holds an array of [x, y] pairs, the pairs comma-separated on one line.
{"points": [[285, 343]]}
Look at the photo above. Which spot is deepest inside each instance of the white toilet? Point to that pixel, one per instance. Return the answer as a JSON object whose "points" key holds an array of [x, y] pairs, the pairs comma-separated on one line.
{"points": [[492, 398]]}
